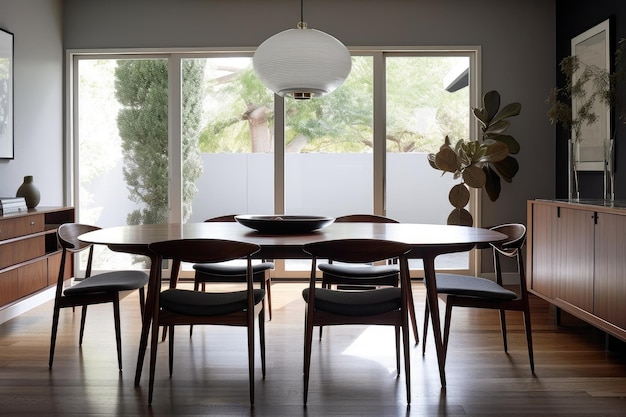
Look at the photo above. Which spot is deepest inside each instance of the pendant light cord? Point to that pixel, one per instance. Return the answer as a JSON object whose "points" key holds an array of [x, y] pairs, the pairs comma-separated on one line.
{"points": [[302, 24]]}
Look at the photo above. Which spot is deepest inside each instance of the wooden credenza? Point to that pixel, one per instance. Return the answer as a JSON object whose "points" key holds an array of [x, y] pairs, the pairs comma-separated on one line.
{"points": [[29, 253], [577, 259]]}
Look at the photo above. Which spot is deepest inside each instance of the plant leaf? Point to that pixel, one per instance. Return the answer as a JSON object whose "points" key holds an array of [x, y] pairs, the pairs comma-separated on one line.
{"points": [[507, 168], [495, 151], [459, 196], [510, 142], [492, 185], [496, 128], [474, 177], [510, 110], [431, 160], [491, 104], [482, 116], [460, 217], [447, 160]]}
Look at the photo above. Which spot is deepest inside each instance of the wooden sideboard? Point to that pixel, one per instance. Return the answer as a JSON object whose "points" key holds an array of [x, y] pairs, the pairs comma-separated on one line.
{"points": [[29, 253], [577, 259]]}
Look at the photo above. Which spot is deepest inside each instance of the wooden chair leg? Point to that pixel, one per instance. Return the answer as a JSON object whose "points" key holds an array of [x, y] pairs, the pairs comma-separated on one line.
{"points": [[261, 319], [324, 285], [425, 333], [397, 331], [153, 355], [196, 286], [250, 329], [268, 290], [53, 336], [118, 330], [171, 350], [407, 358], [142, 301], [446, 330], [413, 318], [503, 329], [83, 316], [529, 340], [308, 341]]}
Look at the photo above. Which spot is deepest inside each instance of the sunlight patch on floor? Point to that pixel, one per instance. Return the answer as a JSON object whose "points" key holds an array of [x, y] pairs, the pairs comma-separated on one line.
{"points": [[377, 344]]}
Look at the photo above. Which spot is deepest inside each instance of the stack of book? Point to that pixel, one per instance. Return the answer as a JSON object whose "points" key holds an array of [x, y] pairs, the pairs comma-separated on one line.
{"points": [[12, 205]]}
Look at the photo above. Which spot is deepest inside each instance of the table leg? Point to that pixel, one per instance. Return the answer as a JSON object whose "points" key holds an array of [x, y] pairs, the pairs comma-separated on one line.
{"points": [[153, 291], [433, 302]]}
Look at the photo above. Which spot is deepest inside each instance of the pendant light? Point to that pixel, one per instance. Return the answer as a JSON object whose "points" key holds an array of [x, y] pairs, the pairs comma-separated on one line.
{"points": [[302, 63]]}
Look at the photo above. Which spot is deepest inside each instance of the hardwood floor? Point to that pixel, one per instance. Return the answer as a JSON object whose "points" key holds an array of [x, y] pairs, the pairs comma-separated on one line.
{"points": [[352, 373]]}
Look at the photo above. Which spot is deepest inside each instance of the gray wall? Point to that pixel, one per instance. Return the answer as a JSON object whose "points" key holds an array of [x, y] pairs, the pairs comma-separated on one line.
{"points": [[38, 97], [517, 37]]}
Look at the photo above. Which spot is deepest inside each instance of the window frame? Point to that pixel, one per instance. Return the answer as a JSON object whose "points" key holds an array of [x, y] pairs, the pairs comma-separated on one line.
{"points": [[175, 57]]}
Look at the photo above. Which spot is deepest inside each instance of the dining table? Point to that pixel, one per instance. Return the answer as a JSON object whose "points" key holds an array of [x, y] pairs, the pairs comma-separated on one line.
{"points": [[427, 241]]}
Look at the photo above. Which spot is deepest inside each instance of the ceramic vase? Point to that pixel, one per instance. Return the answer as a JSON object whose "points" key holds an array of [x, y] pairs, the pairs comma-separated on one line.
{"points": [[29, 192]]}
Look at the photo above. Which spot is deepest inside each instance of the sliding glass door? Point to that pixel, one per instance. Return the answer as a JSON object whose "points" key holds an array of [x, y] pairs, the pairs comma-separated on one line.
{"points": [[185, 137]]}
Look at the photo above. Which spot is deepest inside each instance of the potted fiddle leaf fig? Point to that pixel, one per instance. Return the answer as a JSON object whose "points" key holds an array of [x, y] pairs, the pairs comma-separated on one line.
{"points": [[480, 163]]}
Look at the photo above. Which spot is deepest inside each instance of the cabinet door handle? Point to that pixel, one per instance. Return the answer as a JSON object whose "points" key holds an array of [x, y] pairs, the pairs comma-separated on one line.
{"points": [[32, 223]]}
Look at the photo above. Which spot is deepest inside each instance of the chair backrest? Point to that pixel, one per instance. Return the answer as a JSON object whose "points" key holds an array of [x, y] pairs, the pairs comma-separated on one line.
{"points": [[516, 233], [357, 250], [67, 236], [207, 251], [225, 218], [203, 250], [511, 248], [370, 218], [366, 218]]}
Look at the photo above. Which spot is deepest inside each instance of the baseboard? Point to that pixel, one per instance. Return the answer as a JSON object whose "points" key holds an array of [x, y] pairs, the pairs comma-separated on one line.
{"points": [[27, 304]]}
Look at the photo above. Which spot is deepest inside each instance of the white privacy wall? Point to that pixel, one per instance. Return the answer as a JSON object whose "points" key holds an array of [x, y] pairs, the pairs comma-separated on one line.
{"points": [[243, 184]]}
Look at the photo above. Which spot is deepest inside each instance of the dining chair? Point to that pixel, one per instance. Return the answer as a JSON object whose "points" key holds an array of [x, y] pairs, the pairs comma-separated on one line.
{"points": [[93, 289], [466, 291], [206, 273], [378, 306], [364, 276], [231, 272], [174, 307]]}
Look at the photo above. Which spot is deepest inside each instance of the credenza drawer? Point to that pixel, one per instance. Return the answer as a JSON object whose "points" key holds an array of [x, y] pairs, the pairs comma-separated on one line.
{"points": [[32, 278], [21, 226], [22, 250], [8, 286]]}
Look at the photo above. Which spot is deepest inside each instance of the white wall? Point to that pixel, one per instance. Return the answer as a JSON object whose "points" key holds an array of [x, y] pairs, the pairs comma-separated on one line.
{"points": [[38, 97]]}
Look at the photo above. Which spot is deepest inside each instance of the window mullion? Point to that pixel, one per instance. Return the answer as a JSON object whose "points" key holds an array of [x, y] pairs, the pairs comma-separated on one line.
{"points": [[175, 146]]}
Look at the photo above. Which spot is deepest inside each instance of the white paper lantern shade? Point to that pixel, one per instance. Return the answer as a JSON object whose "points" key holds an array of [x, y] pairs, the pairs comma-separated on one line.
{"points": [[302, 63]]}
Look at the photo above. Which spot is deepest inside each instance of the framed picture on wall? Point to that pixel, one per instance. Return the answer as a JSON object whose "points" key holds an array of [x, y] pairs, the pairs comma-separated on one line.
{"points": [[6, 95], [593, 49]]}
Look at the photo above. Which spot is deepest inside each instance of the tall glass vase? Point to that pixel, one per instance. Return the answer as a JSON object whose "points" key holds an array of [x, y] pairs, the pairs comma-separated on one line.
{"points": [[572, 172]]}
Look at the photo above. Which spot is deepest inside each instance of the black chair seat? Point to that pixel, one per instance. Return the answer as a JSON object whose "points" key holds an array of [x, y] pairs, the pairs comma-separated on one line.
{"points": [[109, 281], [356, 303], [231, 270], [195, 303], [93, 289], [361, 272], [472, 287]]}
